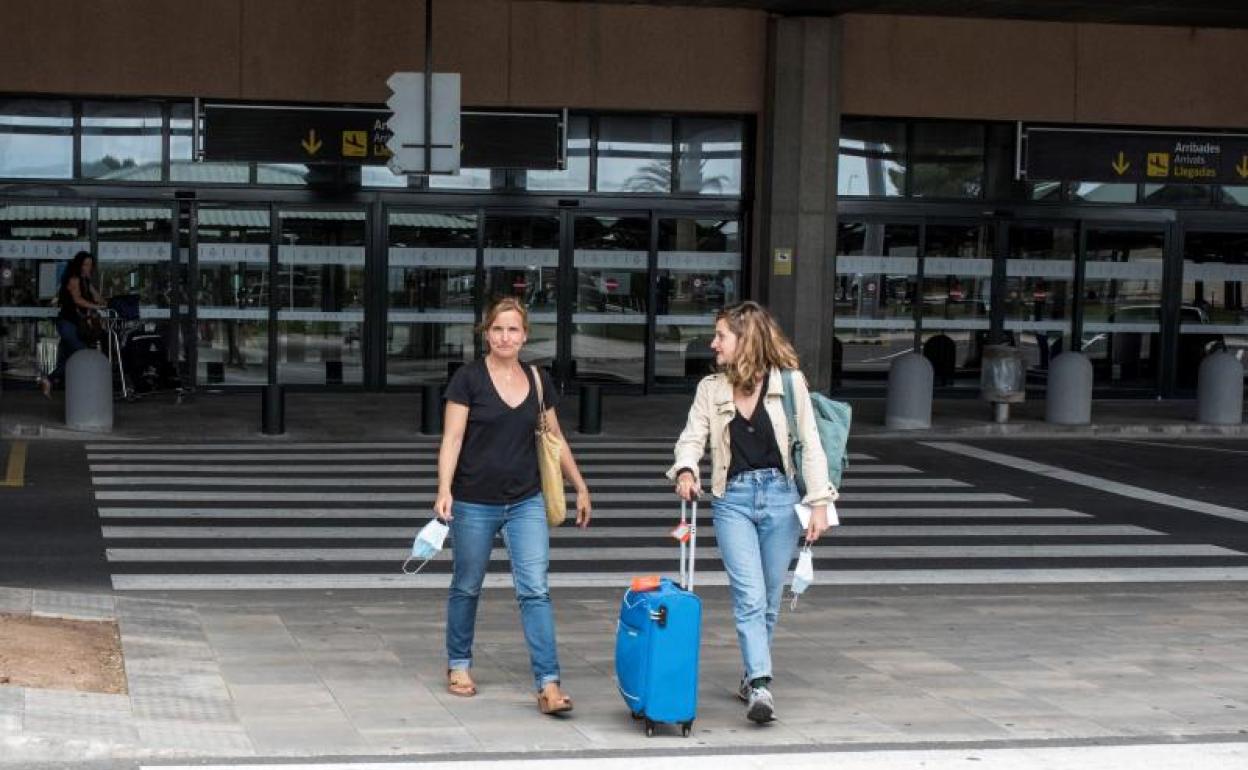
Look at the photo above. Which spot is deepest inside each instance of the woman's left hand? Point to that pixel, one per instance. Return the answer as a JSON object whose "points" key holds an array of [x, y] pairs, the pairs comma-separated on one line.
{"points": [[818, 523], [584, 509]]}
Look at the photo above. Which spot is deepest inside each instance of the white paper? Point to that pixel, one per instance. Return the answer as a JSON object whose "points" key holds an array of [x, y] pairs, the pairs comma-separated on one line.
{"points": [[803, 515]]}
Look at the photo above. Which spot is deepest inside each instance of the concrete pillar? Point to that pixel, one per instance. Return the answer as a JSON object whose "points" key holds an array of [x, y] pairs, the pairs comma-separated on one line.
{"points": [[89, 391], [909, 404], [1068, 397], [798, 200], [1220, 390]]}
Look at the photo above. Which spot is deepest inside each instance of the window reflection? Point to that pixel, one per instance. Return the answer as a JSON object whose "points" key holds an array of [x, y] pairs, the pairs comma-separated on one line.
{"points": [[872, 158], [634, 155], [182, 164], [36, 139], [709, 154], [121, 141], [948, 160], [574, 178]]}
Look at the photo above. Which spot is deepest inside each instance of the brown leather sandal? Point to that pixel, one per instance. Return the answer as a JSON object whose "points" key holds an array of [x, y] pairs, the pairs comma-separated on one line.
{"points": [[459, 682], [553, 700]]}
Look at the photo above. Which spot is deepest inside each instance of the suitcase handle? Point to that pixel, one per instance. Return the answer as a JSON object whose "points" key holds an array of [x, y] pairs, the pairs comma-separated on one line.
{"points": [[688, 550]]}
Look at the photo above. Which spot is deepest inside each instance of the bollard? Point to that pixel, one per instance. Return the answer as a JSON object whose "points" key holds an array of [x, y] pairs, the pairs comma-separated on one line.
{"points": [[591, 409], [431, 409], [1220, 390], [89, 391], [1068, 396], [273, 410], [909, 404]]}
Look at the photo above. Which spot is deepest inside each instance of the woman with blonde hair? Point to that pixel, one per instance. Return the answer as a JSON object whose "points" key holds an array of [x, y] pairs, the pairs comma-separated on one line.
{"points": [[740, 411], [488, 481]]}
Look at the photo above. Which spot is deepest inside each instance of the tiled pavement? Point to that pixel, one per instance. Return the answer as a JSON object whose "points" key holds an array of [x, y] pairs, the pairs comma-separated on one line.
{"points": [[333, 673]]}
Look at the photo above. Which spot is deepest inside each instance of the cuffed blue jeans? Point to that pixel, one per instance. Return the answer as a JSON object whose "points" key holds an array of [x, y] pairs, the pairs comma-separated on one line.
{"points": [[757, 531], [527, 538]]}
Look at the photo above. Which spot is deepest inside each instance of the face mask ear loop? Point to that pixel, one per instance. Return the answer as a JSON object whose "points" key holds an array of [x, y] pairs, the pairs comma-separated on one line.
{"points": [[418, 569]]}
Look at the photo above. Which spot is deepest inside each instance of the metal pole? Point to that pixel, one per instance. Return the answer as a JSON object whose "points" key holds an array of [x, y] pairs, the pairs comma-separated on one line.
{"points": [[428, 87]]}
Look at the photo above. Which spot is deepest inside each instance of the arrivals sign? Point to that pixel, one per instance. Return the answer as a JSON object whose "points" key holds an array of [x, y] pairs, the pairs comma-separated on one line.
{"points": [[295, 134], [1096, 155]]}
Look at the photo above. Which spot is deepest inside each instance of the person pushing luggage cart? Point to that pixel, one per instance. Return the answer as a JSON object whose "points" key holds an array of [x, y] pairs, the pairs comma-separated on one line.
{"points": [[740, 410]]}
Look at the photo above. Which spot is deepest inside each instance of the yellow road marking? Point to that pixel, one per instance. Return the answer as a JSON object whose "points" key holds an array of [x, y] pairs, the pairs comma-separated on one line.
{"points": [[16, 474]]}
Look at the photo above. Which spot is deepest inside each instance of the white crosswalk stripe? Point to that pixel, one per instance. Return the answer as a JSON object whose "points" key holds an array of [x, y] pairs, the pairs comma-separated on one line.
{"points": [[302, 515]]}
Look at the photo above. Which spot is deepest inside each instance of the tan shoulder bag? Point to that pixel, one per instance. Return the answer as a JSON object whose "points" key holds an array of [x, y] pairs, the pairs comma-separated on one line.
{"points": [[549, 448]]}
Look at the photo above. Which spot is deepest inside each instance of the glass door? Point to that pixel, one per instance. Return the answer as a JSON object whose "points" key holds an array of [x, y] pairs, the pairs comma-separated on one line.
{"points": [[1213, 314], [1122, 304], [232, 295], [699, 272], [320, 296], [877, 275], [956, 292], [521, 259], [431, 294], [36, 242], [610, 314], [1039, 289]]}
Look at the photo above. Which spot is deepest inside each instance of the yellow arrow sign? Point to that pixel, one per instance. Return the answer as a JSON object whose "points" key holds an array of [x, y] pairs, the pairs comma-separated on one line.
{"points": [[1242, 168], [1121, 164], [312, 145]]}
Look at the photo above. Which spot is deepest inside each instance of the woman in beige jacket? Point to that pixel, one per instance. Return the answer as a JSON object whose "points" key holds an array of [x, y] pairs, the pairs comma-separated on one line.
{"points": [[740, 411]]}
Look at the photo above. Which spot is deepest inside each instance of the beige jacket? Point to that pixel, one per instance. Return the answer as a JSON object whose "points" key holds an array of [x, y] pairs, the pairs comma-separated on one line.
{"points": [[713, 408]]}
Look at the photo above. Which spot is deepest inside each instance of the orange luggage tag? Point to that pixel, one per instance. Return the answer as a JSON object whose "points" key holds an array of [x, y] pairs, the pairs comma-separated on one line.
{"points": [[645, 583]]}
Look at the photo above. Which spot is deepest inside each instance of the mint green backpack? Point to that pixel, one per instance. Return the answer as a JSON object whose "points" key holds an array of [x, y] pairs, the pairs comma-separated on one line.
{"points": [[832, 418]]}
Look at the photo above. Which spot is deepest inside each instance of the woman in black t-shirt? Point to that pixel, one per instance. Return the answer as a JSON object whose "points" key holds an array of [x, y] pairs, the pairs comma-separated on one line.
{"points": [[79, 300], [488, 481]]}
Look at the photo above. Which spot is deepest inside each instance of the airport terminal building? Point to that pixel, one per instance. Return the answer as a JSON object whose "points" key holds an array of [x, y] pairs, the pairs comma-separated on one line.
{"points": [[1056, 179]]}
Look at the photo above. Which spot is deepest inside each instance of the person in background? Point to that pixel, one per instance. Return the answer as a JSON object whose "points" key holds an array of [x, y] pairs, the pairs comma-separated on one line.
{"points": [[79, 302]]}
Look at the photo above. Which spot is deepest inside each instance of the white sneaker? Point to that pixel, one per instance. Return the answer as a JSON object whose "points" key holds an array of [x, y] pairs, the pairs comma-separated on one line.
{"points": [[761, 706]]}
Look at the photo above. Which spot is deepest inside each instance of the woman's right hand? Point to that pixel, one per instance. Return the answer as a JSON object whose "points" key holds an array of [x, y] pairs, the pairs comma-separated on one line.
{"points": [[442, 507], [686, 486]]}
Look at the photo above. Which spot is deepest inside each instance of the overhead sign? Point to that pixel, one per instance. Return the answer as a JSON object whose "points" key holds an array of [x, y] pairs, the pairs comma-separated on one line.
{"points": [[407, 123], [273, 134], [1095, 155], [513, 140]]}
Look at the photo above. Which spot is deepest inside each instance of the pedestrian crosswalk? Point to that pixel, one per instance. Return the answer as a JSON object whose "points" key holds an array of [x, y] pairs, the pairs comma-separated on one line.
{"points": [[341, 515]]}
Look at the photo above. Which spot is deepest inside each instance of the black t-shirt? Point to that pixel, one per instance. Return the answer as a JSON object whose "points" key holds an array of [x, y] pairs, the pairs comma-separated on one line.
{"points": [[498, 459], [753, 442]]}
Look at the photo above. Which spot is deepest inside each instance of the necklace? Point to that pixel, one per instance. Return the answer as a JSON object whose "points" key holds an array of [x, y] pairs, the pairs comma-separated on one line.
{"points": [[509, 370]]}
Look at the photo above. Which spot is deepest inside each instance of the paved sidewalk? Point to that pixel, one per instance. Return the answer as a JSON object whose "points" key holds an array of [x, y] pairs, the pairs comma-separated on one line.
{"points": [[333, 673], [396, 416]]}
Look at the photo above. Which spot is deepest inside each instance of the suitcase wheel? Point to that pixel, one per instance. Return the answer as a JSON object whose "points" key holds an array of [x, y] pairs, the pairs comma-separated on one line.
{"points": [[685, 729], [649, 729]]}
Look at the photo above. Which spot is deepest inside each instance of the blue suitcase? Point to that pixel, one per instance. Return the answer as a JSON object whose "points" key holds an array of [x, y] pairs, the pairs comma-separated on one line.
{"points": [[656, 646]]}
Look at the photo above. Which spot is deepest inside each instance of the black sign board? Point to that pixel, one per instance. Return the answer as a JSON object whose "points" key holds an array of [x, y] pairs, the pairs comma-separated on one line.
{"points": [[1094, 155], [358, 136], [511, 140], [295, 134]]}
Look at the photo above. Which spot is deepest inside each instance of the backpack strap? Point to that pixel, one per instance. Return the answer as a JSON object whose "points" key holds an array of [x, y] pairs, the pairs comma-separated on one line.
{"points": [[790, 409]]}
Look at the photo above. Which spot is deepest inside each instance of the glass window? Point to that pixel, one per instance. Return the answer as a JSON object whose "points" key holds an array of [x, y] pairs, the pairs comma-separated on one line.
{"points": [[1039, 280], [36, 139], [182, 164], [610, 272], [574, 178], [957, 290], [1235, 196], [634, 155], [709, 155], [872, 158], [1102, 192], [468, 179], [522, 261], [381, 176], [1213, 313], [947, 160], [121, 141], [1179, 194], [281, 173]]}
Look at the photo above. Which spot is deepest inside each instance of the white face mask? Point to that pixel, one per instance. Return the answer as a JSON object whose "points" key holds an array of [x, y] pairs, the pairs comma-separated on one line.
{"points": [[803, 575], [426, 545]]}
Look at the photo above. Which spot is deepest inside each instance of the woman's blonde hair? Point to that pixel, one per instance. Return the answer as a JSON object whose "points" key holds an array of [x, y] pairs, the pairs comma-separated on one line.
{"points": [[499, 307], [761, 345]]}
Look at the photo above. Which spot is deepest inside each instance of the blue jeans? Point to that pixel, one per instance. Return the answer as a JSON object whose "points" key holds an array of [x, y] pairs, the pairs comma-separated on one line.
{"points": [[527, 538], [757, 531], [71, 343]]}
